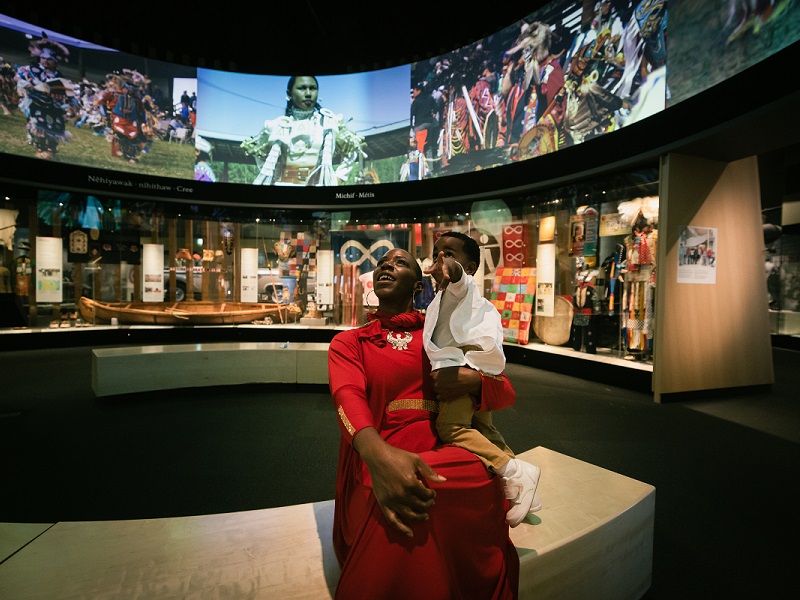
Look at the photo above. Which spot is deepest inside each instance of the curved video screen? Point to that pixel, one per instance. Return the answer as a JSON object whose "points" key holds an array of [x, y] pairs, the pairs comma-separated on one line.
{"points": [[570, 72]]}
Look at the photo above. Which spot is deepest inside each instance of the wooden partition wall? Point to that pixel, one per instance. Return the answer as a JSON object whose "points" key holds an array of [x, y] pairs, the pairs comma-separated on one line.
{"points": [[716, 335]]}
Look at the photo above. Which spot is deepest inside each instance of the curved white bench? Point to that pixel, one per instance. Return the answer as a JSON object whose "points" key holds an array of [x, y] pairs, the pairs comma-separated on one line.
{"points": [[593, 538], [132, 369]]}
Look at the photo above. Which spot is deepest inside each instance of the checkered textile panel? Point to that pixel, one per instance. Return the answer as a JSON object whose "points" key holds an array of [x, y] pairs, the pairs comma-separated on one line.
{"points": [[513, 292], [305, 247]]}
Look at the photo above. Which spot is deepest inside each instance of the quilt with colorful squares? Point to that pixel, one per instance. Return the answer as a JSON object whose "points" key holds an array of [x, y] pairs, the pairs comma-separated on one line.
{"points": [[513, 293]]}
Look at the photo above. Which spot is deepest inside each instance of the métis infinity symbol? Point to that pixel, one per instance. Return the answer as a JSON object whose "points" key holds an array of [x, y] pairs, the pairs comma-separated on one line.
{"points": [[366, 253]]}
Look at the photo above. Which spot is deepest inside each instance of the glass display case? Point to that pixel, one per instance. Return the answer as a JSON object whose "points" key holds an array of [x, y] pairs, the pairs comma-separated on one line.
{"points": [[571, 266], [782, 267], [595, 252]]}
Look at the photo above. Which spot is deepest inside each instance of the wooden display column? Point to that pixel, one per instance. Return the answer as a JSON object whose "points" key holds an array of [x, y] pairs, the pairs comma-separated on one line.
{"points": [[234, 263], [711, 336], [56, 213], [188, 240], [209, 244], [172, 250]]}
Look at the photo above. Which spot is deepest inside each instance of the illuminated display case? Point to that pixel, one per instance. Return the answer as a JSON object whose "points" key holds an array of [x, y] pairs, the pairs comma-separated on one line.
{"points": [[536, 252]]}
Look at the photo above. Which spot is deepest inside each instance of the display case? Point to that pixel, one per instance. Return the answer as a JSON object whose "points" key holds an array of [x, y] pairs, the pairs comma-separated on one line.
{"points": [[570, 266], [572, 269], [596, 259]]}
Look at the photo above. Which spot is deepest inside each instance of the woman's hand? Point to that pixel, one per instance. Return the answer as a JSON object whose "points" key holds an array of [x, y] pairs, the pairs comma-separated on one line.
{"points": [[397, 480], [454, 382]]}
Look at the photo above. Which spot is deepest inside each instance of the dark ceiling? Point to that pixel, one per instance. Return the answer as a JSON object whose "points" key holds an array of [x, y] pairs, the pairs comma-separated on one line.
{"points": [[278, 38]]}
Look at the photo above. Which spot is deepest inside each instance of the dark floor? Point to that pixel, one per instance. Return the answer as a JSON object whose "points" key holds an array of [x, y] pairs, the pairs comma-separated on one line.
{"points": [[724, 469]]}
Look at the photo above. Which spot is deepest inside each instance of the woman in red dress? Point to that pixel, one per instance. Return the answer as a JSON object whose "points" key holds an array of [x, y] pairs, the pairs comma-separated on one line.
{"points": [[413, 518]]}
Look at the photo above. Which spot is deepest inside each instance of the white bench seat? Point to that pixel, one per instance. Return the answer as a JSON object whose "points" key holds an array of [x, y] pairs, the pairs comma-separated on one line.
{"points": [[593, 538]]}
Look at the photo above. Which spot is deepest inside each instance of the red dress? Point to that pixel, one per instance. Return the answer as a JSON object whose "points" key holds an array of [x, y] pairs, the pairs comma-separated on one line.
{"points": [[463, 551]]}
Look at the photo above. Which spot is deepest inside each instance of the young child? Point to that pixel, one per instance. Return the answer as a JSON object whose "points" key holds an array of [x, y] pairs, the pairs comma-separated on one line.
{"points": [[462, 328]]}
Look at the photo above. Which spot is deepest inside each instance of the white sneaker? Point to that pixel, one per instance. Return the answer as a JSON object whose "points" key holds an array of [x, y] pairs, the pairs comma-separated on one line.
{"points": [[520, 489]]}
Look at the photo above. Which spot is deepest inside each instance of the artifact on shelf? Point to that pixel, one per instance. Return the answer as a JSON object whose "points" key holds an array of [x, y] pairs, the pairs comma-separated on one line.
{"points": [[184, 313]]}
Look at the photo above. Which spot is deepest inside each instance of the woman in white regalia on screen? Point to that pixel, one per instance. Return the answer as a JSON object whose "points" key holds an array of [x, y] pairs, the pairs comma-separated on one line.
{"points": [[299, 147]]}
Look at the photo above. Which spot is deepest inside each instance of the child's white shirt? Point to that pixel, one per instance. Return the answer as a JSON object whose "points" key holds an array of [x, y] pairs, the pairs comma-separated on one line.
{"points": [[461, 316]]}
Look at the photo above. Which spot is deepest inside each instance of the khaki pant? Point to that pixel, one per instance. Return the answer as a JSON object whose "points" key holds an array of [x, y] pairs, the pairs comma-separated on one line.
{"points": [[458, 423]]}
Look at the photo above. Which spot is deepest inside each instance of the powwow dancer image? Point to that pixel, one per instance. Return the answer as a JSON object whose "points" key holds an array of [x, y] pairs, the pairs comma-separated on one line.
{"points": [[299, 147], [44, 95], [129, 114], [8, 88], [531, 83]]}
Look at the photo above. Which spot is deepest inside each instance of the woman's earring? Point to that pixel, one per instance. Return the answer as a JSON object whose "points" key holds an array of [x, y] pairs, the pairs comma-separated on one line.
{"points": [[367, 299]]}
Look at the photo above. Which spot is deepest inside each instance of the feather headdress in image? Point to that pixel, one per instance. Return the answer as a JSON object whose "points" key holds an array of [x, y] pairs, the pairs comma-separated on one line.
{"points": [[135, 78], [44, 47]]}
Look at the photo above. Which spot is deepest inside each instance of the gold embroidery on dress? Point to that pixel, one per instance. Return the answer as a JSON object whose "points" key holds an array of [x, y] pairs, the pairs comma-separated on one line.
{"points": [[413, 404], [346, 422], [491, 376]]}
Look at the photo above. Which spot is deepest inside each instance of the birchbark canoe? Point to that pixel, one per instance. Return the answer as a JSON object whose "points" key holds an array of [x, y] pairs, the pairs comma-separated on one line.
{"points": [[184, 313]]}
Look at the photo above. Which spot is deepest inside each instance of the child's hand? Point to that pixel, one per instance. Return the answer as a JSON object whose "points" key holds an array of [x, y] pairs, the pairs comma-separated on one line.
{"points": [[444, 270]]}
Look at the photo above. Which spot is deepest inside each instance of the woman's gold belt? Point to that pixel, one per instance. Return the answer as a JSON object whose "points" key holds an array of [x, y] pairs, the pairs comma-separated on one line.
{"points": [[413, 404]]}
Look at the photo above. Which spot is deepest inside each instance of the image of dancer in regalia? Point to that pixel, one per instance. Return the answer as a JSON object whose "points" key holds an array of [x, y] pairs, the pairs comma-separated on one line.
{"points": [[300, 147]]}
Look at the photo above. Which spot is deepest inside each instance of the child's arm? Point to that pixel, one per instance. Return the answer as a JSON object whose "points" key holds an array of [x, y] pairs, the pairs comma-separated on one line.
{"points": [[445, 270]]}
